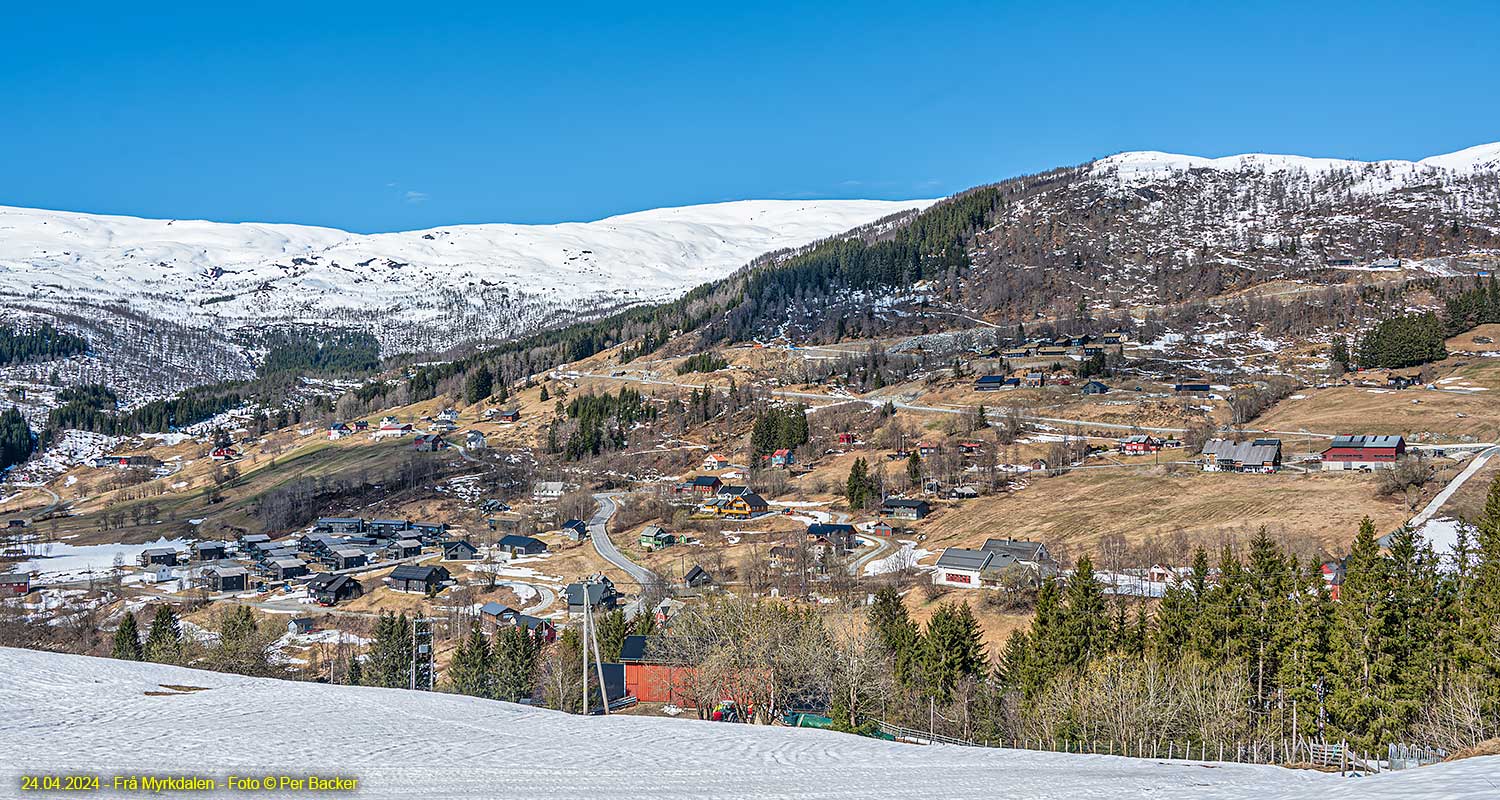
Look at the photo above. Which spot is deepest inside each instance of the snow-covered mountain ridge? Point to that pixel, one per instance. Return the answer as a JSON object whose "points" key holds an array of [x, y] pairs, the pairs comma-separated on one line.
{"points": [[416, 289], [70, 714], [1150, 164]]}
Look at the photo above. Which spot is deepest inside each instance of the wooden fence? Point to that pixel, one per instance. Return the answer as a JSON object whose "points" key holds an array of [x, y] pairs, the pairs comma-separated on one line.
{"points": [[1329, 755]]}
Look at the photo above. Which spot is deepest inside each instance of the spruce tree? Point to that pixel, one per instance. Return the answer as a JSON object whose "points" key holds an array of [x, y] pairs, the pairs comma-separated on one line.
{"points": [[612, 632], [953, 649], [516, 655], [1085, 633], [896, 632], [472, 670], [164, 641], [127, 644], [1359, 703]]}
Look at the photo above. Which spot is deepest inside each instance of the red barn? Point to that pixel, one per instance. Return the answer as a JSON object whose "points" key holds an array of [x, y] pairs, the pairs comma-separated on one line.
{"points": [[1363, 452], [653, 682]]}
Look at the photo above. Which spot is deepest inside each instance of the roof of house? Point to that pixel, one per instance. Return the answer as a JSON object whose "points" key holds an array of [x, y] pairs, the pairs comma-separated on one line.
{"points": [[753, 499], [328, 582], [697, 574], [576, 524], [1259, 451], [532, 623], [495, 609], [595, 591], [227, 572], [517, 540], [706, 480], [459, 543], [349, 552], [416, 572], [902, 502], [407, 544], [287, 563], [633, 648], [157, 551], [1360, 442], [253, 538], [210, 545], [1016, 548], [652, 531], [829, 529], [990, 379], [960, 558]]}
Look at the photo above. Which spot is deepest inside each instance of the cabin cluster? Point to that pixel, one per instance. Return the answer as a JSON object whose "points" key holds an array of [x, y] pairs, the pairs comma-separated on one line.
{"points": [[325, 560]]}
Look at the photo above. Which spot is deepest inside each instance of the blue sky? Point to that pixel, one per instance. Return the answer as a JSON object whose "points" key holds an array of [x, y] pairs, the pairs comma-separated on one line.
{"points": [[377, 117]]}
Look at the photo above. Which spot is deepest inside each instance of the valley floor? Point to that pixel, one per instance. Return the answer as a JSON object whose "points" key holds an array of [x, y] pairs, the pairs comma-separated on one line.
{"points": [[72, 714]]}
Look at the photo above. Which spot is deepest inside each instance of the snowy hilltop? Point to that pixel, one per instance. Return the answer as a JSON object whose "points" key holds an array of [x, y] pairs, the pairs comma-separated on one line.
{"points": [[1145, 166], [416, 289], [70, 714]]}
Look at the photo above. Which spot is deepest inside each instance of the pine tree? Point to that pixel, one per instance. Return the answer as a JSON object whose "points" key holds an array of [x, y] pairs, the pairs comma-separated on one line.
{"points": [[953, 649], [472, 670], [612, 632], [1267, 623], [127, 644], [1359, 701], [1412, 614], [1085, 633], [859, 488], [389, 662], [516, 655], [896, 632], [543, 396], [479, 384], [355, 676], [164, 641]]}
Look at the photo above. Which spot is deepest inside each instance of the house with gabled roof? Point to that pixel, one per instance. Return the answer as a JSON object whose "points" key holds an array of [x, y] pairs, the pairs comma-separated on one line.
{"points": [[459, 550], [575, 529], [225, 579], [516, 545], [654, 538], [328, 589], [1258, 455], [418, 578], [904, 508], [1363, 452]]}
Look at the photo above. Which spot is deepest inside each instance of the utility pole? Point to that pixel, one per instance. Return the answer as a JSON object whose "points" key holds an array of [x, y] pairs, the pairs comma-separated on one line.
{"points": [[598, 662]]}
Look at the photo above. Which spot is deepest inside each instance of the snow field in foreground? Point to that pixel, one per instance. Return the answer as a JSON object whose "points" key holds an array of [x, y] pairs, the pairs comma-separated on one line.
{"points": [[77, 714]]}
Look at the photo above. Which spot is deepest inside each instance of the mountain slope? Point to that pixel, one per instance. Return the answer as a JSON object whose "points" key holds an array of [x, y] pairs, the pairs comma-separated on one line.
{"points": [[416, 289], [68, 714]]}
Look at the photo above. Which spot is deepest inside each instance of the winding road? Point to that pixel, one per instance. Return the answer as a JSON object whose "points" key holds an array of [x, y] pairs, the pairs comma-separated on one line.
{"points": [[599, 535]]}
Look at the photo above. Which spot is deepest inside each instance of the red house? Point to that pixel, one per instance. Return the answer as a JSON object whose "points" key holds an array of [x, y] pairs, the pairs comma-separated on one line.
{"points": [[1363, 452], [652, 682], [846, 439], [1139, 445]]}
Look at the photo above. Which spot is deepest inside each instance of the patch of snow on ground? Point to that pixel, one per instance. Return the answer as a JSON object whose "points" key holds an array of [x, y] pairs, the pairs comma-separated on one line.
{"points": [[58, 562]]}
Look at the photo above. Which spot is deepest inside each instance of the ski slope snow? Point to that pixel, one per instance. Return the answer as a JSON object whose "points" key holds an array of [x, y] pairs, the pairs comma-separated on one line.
{"points": [[68, 714]]}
